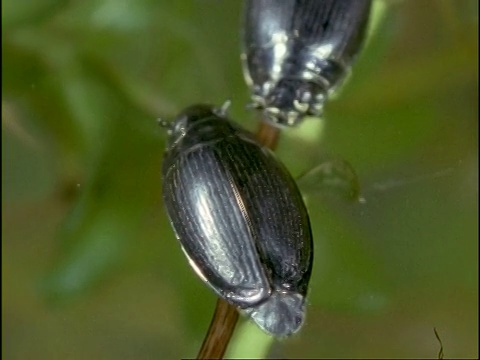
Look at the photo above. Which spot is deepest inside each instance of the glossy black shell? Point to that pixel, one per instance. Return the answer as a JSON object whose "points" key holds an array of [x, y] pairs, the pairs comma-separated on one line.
{"points": [[295, 52], [239, 217]]}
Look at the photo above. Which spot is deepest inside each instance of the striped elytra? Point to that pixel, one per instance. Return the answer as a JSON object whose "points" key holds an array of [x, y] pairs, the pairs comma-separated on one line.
{"points": [[296, 53], [239, 217]]}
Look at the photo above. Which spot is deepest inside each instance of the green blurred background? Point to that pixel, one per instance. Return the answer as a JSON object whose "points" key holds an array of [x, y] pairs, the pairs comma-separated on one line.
{"points": [[90, 265]]}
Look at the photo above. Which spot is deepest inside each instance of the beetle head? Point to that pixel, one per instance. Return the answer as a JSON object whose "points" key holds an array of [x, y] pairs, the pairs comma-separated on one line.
{"points": [[189, 117]]}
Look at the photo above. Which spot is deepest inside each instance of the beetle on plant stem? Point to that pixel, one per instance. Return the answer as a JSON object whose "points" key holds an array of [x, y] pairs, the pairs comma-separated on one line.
{"points": [[239, 217]]}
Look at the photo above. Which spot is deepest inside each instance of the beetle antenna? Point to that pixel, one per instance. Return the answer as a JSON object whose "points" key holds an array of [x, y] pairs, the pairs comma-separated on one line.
{"points": [[164, 123], [223, 110]]}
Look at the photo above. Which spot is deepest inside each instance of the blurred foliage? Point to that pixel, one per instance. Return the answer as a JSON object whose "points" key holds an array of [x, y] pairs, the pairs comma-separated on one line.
{"points": [[91, 268]]}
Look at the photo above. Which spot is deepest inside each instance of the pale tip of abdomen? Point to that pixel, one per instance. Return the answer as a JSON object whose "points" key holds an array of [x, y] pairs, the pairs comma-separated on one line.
{"points": [[281, 315]]}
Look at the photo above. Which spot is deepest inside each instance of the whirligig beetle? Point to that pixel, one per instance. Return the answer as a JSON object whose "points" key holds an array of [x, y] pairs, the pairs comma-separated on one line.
{"points": [[239, 217], [296, 52]]}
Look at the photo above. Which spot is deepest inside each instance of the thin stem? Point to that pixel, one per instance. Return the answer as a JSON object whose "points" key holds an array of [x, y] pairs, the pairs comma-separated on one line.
{"points": [[220, 331], [268, 135], [225, 316]]}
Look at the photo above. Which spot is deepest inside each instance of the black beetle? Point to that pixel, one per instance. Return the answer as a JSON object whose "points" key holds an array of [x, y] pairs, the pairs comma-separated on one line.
{"points": [[239, 217], [296, 52]]}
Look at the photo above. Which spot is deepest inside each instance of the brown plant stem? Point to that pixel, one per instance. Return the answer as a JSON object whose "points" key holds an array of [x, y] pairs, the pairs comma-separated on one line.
{"points": [[268, 135], [220, 331], [225, 315]]}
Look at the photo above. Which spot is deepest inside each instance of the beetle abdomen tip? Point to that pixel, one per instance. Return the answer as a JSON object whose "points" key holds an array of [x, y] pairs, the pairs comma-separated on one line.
{"points": [[281, 315]]}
